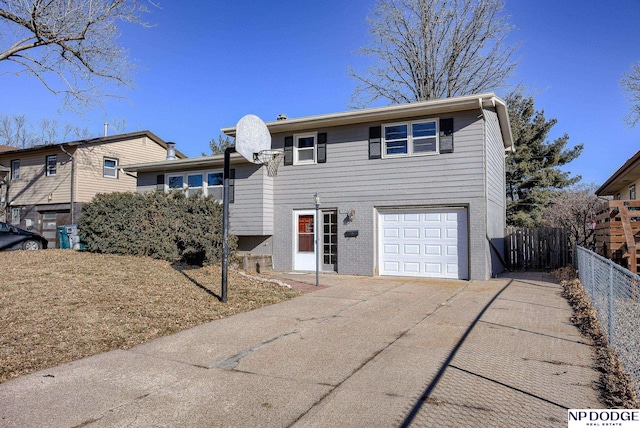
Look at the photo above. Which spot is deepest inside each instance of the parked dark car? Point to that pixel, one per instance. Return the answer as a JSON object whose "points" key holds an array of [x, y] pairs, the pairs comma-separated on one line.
{"points": [[13, 238]]}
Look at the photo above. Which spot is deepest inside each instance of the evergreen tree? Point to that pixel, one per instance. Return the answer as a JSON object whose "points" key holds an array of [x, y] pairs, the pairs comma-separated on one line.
{"points": [[218, 147], [533, 173]]}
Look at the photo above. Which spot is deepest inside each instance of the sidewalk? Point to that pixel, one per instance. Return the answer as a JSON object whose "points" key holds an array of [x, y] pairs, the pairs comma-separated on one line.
{"points": [[361, 351]]}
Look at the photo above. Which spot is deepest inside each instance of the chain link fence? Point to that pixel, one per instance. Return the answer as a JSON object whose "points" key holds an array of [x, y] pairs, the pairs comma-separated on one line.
{"points": [[615, 295]]}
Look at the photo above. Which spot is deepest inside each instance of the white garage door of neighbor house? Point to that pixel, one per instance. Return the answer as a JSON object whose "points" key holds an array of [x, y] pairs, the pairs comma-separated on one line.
{"points": [[427, 243]]}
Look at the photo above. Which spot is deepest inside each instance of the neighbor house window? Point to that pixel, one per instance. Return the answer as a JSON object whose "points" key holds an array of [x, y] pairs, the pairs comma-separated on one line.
{"points": [[632, 191], [194, 184], [176, 182], [15, 215], [214, 185], [110, 168], [15, 169], [412, 138], [52, 165], [305, 148]]}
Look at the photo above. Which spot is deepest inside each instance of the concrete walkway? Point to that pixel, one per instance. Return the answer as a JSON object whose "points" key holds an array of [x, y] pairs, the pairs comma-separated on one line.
{"points": [[362, 352]]}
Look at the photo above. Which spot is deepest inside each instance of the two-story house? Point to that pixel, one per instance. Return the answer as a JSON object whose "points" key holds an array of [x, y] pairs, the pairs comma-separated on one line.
{"points": [[47, 185], [405, 190]]}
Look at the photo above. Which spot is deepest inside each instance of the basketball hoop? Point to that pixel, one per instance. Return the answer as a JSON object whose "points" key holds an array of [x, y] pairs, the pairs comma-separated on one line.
{"points": [[271, 159]]}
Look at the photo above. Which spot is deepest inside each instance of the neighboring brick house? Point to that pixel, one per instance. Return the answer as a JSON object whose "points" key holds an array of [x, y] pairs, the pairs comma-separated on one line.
{"points": [[406, 190], [48, 184]]}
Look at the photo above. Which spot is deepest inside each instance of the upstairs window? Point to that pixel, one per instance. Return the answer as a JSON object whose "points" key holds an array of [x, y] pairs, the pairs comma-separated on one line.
{"points": [[15, 169], [110, 168], [52, 165], [413, 138], [632, 192], [305, 148]]}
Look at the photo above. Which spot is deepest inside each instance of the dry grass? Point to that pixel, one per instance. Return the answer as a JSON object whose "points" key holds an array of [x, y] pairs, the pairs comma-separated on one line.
{"points": [[614, 383], [59, 305]]}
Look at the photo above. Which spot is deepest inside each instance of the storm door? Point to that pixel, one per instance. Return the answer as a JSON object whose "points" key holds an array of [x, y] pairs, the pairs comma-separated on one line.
{"points": [[329, 240]]}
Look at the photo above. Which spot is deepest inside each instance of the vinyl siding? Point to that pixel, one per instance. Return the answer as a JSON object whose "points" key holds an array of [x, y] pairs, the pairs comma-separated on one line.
{"points": [[34, 187], [496, 188], [350, 180], [252, 211], [89, 164]]}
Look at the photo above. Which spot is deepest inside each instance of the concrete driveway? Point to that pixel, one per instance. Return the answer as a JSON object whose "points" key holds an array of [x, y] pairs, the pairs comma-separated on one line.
{"points": [[374, 352]]}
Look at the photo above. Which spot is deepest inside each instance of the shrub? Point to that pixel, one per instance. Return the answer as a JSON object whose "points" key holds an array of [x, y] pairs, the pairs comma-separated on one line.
{"points": [[167, 226]]}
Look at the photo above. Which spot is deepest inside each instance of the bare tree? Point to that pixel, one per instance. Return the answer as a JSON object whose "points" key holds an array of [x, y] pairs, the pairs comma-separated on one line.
{"points": [[69, 45], [631, 84], [575, 210], [15, 131], [430, 49]]}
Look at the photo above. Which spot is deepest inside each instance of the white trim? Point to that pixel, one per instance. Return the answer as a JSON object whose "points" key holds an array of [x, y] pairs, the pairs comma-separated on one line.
{"points": [[421, 270], [105, 168], [410, 138], [314, 149], [306, 261], [185, 181]]}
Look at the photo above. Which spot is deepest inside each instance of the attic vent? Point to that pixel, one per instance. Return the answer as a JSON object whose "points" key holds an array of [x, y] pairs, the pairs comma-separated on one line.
{"points": [[282, 116], [171, 151]]}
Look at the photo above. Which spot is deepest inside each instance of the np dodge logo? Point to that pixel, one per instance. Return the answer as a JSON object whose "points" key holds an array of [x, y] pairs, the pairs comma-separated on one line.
{"points": [[627, 418]]}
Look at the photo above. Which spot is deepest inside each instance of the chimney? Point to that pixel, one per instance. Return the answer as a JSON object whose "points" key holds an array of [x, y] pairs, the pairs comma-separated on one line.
{"points": [[171, 151], [106, 129]]}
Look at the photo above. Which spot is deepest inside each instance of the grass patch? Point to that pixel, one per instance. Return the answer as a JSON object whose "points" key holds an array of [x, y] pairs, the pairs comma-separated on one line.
{"points": [[58, 306], [614, 383]]}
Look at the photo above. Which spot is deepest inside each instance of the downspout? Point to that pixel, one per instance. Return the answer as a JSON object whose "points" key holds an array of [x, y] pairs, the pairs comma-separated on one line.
{"points": [[73, 184]]}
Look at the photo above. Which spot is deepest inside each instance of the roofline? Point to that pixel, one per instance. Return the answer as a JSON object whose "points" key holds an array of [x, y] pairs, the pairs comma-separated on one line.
{"points": [[182, 164], [97, 140], [393, 112], [618, 174]]}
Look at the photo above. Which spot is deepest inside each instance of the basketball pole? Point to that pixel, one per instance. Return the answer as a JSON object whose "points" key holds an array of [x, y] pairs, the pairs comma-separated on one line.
{"points": [[225, 220]]}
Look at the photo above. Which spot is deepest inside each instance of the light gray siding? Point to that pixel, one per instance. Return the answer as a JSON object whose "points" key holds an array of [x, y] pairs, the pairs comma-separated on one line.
{"points": [[252, 211], [349, 180], [496, 198]]}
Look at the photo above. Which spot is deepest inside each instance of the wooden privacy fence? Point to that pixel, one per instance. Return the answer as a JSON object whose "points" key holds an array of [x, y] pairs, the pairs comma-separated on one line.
{"points": [[536, 248]]}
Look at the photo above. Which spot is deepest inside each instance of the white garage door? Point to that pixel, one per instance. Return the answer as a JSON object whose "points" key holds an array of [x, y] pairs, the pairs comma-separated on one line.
{"points": [[427, 243]]}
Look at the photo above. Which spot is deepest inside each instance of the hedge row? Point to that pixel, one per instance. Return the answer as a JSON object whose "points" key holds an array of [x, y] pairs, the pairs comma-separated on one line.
{"points": [[167, 226]]}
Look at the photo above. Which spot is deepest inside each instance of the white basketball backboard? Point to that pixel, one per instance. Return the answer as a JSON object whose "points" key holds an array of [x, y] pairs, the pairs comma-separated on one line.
{"points": [[252, 136]]}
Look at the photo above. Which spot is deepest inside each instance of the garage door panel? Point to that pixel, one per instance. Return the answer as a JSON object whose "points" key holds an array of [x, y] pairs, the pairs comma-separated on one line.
{"points": [[412, 250], [433, 268], [432, 233], [411, 267], [391, 232], [428, 243], [433, 250], [392, 267], [411, 218], [411, 232], [432, 217]]}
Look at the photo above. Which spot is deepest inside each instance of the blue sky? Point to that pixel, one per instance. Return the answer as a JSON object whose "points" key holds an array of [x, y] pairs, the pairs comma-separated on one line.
{"points": [[208, 63]]}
